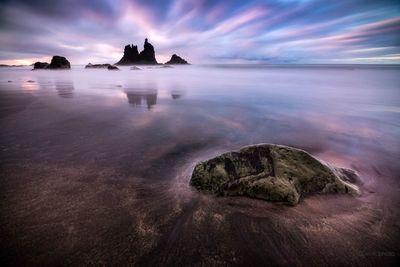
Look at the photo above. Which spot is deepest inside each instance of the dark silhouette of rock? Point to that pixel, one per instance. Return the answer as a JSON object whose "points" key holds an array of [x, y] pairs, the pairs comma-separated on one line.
{"points": [[97, 66], [10, 66], [175, 59], [147, 56], [132, 56], [111, 67], [271, 172], [58, 62], [40, 65]]}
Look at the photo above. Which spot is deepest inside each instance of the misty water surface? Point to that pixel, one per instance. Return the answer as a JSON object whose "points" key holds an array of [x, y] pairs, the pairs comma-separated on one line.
{"points": [[95, 164]]}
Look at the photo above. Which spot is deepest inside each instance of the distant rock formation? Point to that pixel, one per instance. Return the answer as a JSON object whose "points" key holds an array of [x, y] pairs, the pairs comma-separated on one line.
{"points": [[112, 67], [132, 56], [57, 62], [9, 66], [97, 66], [148, 54], [40, 65], [175, 59]]}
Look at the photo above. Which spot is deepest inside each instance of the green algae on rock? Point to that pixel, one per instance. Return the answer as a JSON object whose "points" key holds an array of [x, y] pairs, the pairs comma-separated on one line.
{"points": [[270, 172]]}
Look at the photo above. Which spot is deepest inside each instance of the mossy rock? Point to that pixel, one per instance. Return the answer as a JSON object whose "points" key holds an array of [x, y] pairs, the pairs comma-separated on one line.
{"points": [[270, 172]]}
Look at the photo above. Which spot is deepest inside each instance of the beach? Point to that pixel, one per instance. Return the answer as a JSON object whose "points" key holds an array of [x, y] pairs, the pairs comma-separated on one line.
{"points": [[95, 165]]}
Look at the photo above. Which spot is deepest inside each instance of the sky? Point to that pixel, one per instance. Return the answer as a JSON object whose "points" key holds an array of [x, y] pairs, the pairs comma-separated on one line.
{"points": [[203, 31]]}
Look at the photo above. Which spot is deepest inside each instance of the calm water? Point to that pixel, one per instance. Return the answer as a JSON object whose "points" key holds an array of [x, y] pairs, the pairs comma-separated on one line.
{"points": [[95, 165]]}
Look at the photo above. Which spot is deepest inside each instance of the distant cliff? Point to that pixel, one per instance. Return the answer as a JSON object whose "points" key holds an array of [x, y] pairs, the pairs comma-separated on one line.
{"points": [[132, 56]]}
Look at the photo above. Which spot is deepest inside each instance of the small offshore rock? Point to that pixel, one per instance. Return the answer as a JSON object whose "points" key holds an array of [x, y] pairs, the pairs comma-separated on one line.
{"points": [[111, 67], [177, 60], [40, 65], [97, 66]]}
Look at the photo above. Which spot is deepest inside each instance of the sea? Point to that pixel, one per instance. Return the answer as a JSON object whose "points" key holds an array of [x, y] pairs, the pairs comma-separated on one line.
{"points": [[95, 164]]}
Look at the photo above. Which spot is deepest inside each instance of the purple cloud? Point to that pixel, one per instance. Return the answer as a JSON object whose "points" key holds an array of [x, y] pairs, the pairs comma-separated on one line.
{"points": [[203, 31]]}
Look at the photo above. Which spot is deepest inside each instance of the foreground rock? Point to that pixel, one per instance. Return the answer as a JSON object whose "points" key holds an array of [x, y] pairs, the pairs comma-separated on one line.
{"points": [[97, 66], [175, 60], [271, 172], [57, 62]]}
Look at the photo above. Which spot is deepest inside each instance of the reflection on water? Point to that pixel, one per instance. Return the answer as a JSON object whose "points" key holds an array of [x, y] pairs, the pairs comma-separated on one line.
{"points": [[135, 97], [62, 85], [176, 94], [65, 89], [109, 185], [29, 85]]}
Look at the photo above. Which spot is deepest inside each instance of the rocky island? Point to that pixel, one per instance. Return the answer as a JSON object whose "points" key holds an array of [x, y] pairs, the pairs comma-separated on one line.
{"points": [[57, 62], [176, 60], [132, 56], [97, 66], [146, 57], [271, 172]]}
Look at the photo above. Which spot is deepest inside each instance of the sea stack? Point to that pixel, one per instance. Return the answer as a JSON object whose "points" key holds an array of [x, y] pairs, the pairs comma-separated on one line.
{"points": [[148, 56], [133, 57], [58, 62], [176, 60]]}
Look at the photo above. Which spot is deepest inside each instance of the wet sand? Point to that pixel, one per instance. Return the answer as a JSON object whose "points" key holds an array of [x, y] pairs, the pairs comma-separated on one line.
{"points": [[97, 172]]}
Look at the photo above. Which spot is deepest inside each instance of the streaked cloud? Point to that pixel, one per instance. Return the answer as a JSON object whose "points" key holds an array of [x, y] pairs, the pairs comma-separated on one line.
{"points": [[203, 31]]}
